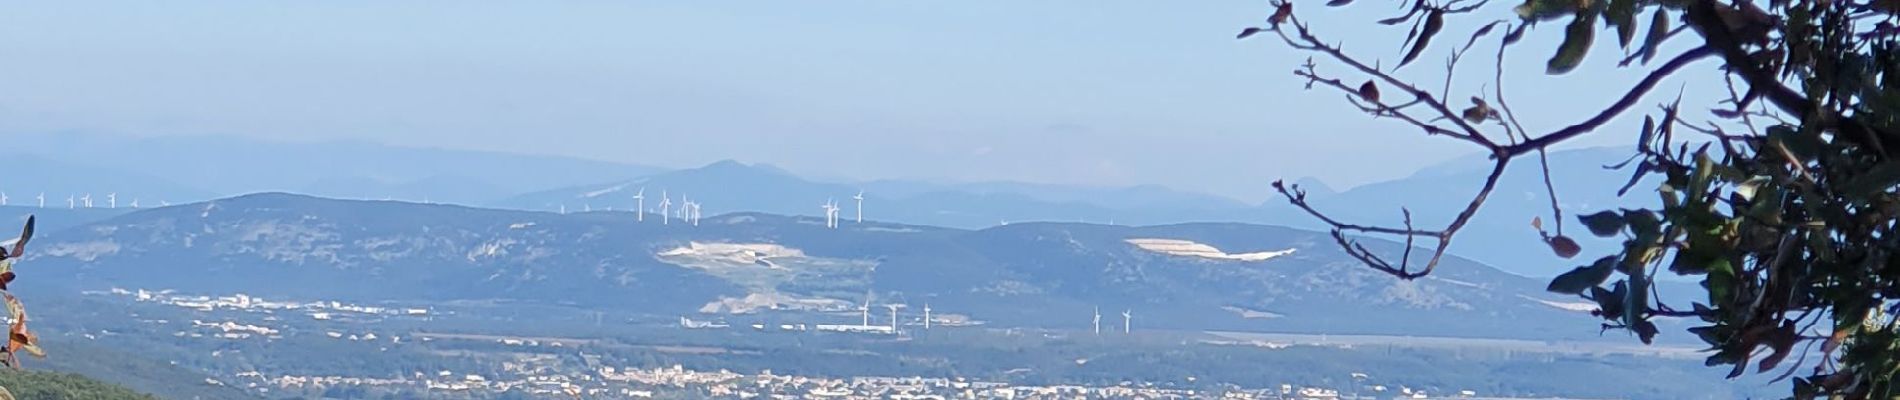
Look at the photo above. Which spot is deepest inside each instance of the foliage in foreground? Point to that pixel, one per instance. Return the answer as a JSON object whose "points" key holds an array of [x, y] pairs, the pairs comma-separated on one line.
{"points": [[1780, 199], [35, 385], [18, 338]]}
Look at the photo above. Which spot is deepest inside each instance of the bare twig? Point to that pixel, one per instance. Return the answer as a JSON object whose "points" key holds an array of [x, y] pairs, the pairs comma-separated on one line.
{"points": [[1309, 42]]}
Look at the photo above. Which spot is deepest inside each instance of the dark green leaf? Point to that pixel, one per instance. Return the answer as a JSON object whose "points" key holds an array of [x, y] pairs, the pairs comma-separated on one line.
{"points": [[1708, 334], [1542, 10], [1583, 278], [1642, 168], [1621, 14], [1515, 35], [1433, 23], [1609, 303], [19, 248], [1643, 221], [1877, 179], [1604, 224], [1645, 331], [1707, 314], [1577, 39], [1658, 28]]}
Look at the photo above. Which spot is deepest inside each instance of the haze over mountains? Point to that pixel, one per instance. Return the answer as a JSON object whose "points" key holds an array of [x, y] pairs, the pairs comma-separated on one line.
{"points": [[183, 169], [754, 265]]}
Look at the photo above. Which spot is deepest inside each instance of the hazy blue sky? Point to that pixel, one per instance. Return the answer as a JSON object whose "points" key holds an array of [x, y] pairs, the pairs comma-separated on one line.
{"points": [[1091, 92]]}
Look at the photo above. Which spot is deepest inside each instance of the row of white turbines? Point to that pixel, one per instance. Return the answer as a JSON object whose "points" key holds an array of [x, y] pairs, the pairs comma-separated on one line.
{"points": [[864, 311], [75, 201], [689, 211]]}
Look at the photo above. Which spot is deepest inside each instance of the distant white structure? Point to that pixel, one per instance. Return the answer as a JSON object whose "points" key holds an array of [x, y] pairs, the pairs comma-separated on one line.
{"points": [[893, 308], [135, 202], [860, 199], [688, 323], [1098, 321], [71, 202], [684, 204], [865, 311], [112, 200], [87, 199], [3, 198], [1127, 317], [831, 213], [666, 206], [1188, 248], [42, 199], [640, 204], [926, 316], [880, 329]]}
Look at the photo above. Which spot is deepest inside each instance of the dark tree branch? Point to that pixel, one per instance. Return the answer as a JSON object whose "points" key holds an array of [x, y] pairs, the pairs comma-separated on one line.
{"points": [[1623, 104], [1404, 270]]}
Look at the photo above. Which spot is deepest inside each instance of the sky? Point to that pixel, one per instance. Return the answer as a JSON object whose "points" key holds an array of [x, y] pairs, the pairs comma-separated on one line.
{"points": [[1100, 92]]}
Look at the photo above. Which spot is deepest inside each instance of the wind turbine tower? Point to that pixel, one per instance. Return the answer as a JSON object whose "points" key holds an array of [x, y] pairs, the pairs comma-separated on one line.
{"points": [[86, 199], [926, 316], [135, 202], [831, 213], [3, 198], [1098, 321], [860, 199], [1126, 317], [640, 213], [666, 206], [112, 200], [71, 203], [893, 308], [42, 199], [865, 311]]}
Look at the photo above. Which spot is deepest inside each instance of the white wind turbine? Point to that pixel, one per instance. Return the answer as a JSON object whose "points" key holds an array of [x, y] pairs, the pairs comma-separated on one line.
{"points": [[685, 207], [926, 316], [666, 205], [831, 213], [3, 198], [112, 200], [860, 199], [1126, 317], [893, 308], [71, 203], [1098, 321], [42, 199], [827, 207], [695, 214], [86, 199], [135, 202], [640, 214], [865, 311]]}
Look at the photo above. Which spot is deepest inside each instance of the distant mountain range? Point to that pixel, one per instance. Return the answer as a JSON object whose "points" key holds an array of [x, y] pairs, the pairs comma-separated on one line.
{"points": [[182, 169], [765, 266]]}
